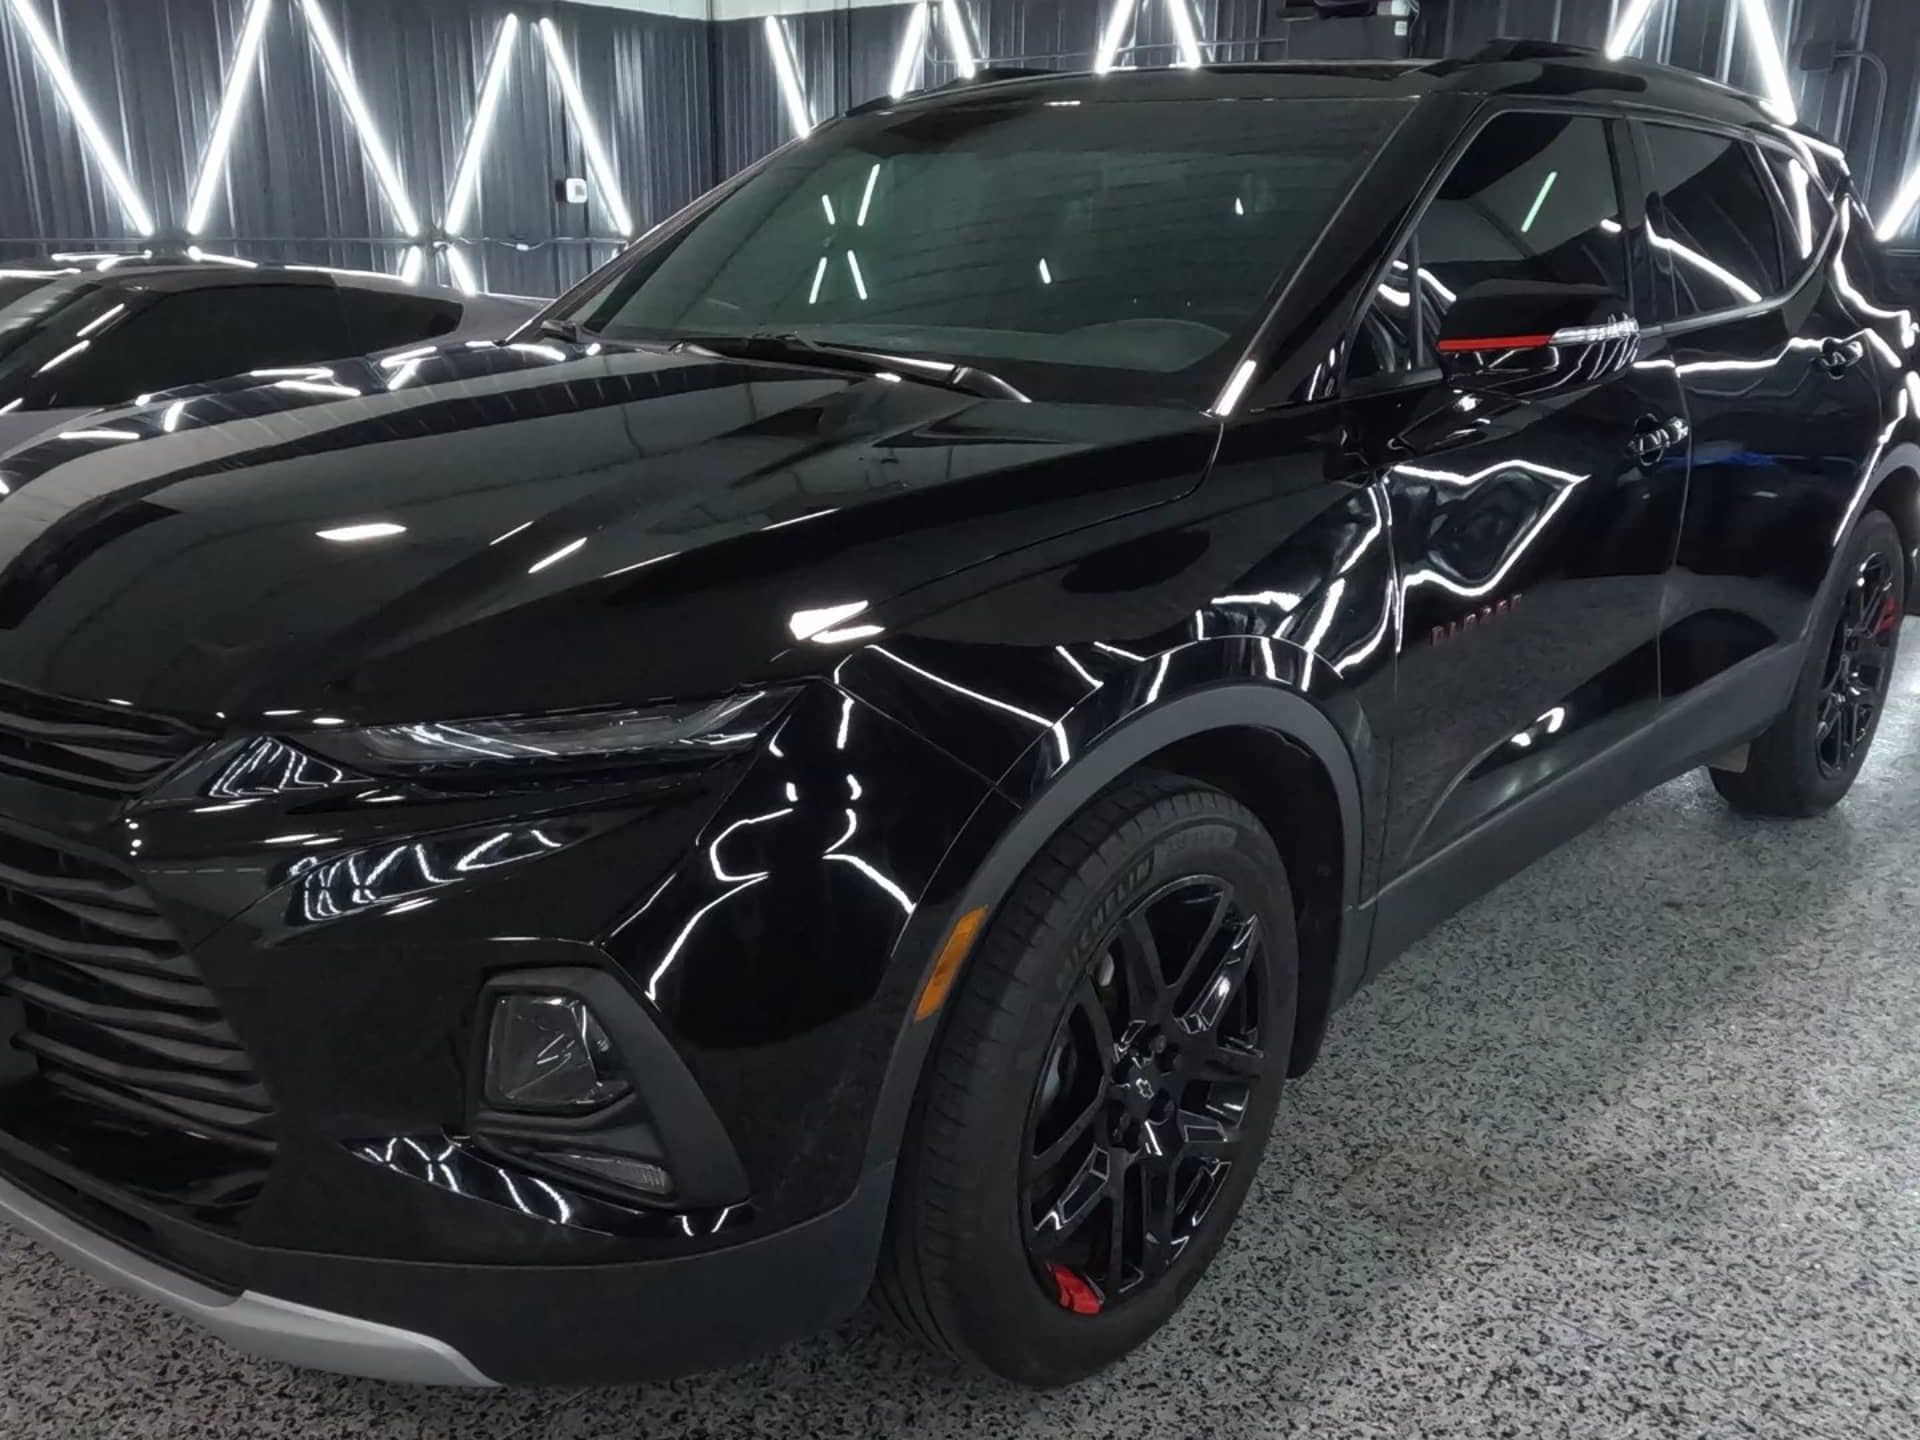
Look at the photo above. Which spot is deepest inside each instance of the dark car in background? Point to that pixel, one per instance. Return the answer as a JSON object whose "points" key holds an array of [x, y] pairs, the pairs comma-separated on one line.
{"points": [[103, 330], [871, 739]]}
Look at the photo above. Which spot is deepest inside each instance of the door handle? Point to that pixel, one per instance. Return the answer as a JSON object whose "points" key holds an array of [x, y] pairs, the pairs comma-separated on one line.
{"points": [[1838, 356], [1654, 437]]}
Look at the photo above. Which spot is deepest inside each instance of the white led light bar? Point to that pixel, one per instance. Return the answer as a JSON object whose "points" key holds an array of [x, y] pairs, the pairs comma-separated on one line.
{"points": [[913, 48], [340, 71], [786, 70], [604, 179], [84, 120], [239, 76], [958, 38], [464, 279], [1119, 31], [1766, 48], [467, 176]]}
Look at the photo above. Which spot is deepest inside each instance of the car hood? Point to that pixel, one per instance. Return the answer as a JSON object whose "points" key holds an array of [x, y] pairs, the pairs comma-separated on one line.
{"points": [[485, 527]]}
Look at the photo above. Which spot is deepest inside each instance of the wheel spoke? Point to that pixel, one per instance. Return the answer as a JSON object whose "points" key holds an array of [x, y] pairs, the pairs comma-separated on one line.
{"points": [[1087, 1000], [1206, 1136], [1140, 963], [1162, 1242], [1078, 1200], [1197, 956], [1062, 1146], [1230, 1060], [1223, 982]]}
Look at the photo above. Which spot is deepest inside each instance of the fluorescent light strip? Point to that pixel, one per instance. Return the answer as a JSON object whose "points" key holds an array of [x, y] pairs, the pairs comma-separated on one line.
{"points": [[1119, 24], [1905, 201], [375, 149], [786, 70], [239, 77], [194, 252], [466, 177], [913, 49], [859, 280], [1773, 65], [819, 274], [957, 37], [1627, 33], [866, 195], [464, 280], [84, 120], [1184, 34], [598, 164]]}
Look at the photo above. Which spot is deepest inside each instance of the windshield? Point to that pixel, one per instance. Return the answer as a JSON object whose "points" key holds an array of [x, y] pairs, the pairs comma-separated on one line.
{"points": [[1061, 242]]}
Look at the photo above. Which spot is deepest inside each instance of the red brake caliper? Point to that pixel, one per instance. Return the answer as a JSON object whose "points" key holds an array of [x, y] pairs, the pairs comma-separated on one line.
{"points": [[1889, 616], [1074, 1292]]}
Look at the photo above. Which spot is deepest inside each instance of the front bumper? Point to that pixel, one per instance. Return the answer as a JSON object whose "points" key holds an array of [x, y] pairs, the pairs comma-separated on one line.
{"points": [[487, 1325], [328, 955]]}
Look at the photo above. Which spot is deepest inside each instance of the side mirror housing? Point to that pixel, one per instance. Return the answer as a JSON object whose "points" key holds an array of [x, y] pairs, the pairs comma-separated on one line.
{"points": [[1524, 339]]}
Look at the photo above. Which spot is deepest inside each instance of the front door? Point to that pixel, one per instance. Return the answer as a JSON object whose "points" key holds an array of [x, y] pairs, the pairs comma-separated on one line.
{"points": [[1533, 538]]}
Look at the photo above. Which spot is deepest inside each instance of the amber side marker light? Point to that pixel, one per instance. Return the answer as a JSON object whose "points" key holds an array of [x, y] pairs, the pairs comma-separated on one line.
{"points": [[947, 968]]}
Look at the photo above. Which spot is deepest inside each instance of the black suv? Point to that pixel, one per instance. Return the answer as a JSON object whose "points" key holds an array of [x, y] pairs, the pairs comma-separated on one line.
{"points": [[869, 740]]}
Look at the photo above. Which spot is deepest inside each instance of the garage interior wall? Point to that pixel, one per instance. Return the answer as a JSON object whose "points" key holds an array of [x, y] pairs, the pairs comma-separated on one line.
{"points": [[670, 97]]}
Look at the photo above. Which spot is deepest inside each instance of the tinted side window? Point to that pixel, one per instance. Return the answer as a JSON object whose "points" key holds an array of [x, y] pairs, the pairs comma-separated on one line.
{"points": [[1805, 210], [370, 320], [1533, 198], [215, 333], [1719, 231], [198, 335]]}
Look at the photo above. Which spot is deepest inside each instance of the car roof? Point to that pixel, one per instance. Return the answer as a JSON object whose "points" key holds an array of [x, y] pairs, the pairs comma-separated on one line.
{"points": [[1518, 68]]}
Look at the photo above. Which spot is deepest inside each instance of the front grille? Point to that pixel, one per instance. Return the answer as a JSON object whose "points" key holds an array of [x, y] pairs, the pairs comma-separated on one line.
{"points": [[114, 1011], [106, 749]]}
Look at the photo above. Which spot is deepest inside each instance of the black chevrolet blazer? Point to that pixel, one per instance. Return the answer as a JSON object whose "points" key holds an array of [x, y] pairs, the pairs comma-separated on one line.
{"points": [[859, 750]]}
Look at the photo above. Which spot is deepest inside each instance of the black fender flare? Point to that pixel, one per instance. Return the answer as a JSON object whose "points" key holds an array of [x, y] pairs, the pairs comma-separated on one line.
{"points": [[1232, 704]]}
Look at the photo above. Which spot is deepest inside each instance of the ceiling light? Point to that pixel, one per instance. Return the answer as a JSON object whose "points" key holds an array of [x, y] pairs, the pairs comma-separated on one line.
{"points": [[466, 177], [786, 70], [239, 76], [84, 120], [598, 164], [913, 46], [957, 37], [1627, 33], [340, 70]]}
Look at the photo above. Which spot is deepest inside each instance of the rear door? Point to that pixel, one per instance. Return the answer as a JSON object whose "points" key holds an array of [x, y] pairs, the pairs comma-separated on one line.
{"points": [[1533, 537], [1780, 382]]}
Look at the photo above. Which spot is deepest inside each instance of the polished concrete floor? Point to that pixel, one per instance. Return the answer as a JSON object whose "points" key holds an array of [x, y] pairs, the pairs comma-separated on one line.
{"points": [[1630, 1148]]}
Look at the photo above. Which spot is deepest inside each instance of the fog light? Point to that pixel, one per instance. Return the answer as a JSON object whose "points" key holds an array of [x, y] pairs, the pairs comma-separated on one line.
{"points": [[549, 1052]]}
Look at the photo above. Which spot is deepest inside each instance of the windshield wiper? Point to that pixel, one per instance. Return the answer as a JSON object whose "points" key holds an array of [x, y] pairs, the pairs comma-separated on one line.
{"points": [[767, 345]]}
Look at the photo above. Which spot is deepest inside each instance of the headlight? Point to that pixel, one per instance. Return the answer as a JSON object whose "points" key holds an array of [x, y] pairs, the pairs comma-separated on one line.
{"points": [[575, 739]]}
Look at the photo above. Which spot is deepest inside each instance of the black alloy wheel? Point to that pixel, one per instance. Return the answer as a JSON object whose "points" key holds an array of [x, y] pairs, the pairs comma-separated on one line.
{"points": [[1138, 1116], [1804, 763], [1096, 1106], [1859, 665]]}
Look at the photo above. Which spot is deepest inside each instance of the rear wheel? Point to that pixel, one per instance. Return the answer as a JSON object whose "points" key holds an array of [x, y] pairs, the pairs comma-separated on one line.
{"points": [[1101, 1096], [1808, 759]]}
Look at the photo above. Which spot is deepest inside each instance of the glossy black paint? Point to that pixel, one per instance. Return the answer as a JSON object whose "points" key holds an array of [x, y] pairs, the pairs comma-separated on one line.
{"points": [[1422, 639]]}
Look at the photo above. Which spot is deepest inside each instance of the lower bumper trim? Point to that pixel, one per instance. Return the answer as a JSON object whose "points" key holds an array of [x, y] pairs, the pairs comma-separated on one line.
{"points": [[259, 1325]]}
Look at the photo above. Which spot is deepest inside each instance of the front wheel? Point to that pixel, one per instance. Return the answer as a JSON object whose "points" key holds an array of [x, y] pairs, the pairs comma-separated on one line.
{"points": [[1101, 1096], [1807, 760]]}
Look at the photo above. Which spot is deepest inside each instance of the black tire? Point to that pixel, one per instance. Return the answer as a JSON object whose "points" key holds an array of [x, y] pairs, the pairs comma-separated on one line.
{"points": [[1808, 759], [956, 1272]]}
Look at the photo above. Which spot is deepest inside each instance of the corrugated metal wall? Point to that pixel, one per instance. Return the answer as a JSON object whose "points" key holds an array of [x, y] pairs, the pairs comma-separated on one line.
{"points": [[298, 186], [681, 102]]}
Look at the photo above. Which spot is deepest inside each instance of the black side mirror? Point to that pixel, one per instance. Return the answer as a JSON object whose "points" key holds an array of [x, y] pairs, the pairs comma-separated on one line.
{"points": [[1524, 339]]}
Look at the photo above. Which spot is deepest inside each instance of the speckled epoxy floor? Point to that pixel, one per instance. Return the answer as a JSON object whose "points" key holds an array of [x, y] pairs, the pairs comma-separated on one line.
{"points": [[1630, 1148]]}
